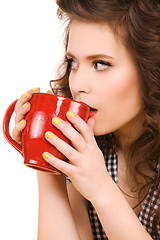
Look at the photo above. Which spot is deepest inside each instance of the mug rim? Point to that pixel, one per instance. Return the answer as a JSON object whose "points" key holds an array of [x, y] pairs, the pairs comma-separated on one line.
{"points": [[54, 95]]}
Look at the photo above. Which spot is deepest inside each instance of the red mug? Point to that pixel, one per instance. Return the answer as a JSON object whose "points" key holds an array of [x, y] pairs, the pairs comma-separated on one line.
{"points": [[44, 107]]}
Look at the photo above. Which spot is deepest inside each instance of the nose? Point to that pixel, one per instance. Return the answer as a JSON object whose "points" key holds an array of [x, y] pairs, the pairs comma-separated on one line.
{"points": [[79, 82]]}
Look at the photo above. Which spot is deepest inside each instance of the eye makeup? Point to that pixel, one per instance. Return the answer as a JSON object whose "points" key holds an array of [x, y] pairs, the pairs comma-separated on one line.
{"points": [[101, 65]]}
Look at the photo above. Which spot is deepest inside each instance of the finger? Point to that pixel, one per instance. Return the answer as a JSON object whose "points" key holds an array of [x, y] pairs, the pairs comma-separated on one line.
{"points": [[35, 90], [50, 92], [90, 123], [85, 130], [22, 100], [22, 112], [25, 98], [61, 165], [63, 147], [72, 134], [17, 130], [22, 106]]}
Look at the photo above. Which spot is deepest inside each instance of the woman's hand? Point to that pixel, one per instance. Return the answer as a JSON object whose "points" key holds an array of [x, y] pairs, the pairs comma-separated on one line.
{"points": [[21, 108], [86, 167]]}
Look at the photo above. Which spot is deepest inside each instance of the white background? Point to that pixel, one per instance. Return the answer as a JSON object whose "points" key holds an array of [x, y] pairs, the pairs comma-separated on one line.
{"points": [[30, 48]]}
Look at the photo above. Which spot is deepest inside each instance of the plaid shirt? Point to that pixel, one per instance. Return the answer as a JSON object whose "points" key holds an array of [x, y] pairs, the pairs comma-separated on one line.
{"points": [[151, 202]]}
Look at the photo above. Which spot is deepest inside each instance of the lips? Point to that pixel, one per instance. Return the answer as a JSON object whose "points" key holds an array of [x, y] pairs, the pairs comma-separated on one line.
{"points": [[92, 112]]}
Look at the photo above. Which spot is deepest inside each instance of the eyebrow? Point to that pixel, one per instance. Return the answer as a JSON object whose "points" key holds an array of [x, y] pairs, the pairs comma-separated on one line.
{"points": [[91, 57]]}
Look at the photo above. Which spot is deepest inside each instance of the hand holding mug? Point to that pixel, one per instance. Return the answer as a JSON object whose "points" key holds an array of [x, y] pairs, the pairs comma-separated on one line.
{"points": [[34, 114], [22, 107]]}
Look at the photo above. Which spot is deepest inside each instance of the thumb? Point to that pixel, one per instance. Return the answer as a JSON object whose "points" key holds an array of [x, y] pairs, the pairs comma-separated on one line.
{"points": [[90, 123]]}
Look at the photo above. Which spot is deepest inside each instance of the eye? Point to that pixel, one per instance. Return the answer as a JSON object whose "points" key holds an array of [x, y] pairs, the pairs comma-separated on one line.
{"points": [[101, 65], [72, 64]]}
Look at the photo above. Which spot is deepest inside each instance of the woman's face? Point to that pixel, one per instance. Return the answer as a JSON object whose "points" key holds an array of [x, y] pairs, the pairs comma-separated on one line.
{"points": [[103, 76]]}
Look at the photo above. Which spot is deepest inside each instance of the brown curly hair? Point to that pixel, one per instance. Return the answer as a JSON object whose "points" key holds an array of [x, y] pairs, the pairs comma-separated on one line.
{"points": [[137, 24]]}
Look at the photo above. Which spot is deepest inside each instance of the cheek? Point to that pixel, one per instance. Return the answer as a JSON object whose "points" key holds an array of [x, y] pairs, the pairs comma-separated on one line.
{"points": [[121, 103], [70, 82], [128, 100], [127, 88]]}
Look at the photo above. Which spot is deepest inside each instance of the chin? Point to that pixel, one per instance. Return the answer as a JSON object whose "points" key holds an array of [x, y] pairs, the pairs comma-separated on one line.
{"points": [[98, 131]]}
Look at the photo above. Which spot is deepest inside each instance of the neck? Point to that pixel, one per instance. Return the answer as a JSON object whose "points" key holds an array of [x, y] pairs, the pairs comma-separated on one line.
{"points": [[128, 133]]}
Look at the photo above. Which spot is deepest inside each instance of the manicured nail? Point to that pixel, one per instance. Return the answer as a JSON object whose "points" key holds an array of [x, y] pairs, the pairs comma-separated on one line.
{"points": [[25, 94], [24, 105], [56, 120], [34, 89], [49, 135], [49, 91], [70, 114], [21, 122], [45, 155]]}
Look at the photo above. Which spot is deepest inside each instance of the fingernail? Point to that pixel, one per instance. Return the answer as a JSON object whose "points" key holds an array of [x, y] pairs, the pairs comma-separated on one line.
{"points": [[49, 135], [21, 122], [45, 155], [49, 91], [24, 105], [25, 94], [70, 114], [56, 120], [34, 89]]}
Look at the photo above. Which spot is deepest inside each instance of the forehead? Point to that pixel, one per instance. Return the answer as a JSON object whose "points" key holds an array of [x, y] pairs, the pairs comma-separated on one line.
{"points": [[89, 37]]}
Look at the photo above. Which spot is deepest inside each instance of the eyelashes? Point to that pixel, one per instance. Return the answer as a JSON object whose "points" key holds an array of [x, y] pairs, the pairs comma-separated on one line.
{"points": [[101, 65], [72, 65], [98, 65]]}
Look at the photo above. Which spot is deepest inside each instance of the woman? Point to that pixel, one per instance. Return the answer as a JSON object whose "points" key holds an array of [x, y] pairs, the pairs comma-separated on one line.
{"points": [[112, 63]]}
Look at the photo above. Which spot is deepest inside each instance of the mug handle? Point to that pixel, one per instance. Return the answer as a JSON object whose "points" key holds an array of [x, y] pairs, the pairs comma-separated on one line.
{"points": [[6, 121]]}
